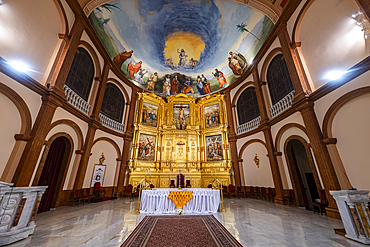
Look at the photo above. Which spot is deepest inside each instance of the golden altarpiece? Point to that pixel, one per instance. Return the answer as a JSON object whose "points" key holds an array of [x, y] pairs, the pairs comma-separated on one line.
{"points": [[180, 133]]}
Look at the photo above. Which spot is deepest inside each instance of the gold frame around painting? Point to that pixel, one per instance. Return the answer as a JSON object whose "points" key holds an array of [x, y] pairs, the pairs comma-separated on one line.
{"points": [[212, 115], [93, 173], [150, 110]]}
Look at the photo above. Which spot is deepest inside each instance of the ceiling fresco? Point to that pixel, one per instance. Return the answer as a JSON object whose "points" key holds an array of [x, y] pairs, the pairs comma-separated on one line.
{"points": [[177, 46]]}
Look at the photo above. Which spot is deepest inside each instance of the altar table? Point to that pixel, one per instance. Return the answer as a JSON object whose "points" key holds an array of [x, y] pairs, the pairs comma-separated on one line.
{"points": [[156, 201]]}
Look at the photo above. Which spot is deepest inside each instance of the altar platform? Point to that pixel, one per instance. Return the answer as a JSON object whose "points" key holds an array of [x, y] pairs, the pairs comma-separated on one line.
{"points": [[157, 201]]}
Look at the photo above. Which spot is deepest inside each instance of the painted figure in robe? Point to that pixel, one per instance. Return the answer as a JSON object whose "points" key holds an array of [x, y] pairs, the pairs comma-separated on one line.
{"points": [[139, 76], [152, 81], [182, 56], [206, 85], [199, 85], [133, 69], [166, 86], [175, 85], [220, 77], [187, 88]]}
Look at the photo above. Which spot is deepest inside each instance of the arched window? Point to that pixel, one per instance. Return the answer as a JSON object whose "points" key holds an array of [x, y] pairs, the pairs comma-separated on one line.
{"points": [[278, 79], [113, 103], [247, 106], [81, 74]]}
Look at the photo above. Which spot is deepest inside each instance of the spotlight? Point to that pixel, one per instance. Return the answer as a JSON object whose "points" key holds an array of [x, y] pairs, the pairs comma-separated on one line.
{"points": [[19, 66], [356, 14], [361, 21], [335, 75]]}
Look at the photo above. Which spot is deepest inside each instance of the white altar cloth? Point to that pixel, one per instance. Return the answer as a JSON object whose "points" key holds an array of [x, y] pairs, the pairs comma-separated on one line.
{"points": [[156, 201]]}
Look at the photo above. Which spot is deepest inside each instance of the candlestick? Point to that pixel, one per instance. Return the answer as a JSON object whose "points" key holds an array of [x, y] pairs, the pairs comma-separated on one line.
{"points": [[211, 172], [216, 172]]}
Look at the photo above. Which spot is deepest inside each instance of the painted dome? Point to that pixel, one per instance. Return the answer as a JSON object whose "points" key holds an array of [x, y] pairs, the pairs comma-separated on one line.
{"points": [[176, 46]]}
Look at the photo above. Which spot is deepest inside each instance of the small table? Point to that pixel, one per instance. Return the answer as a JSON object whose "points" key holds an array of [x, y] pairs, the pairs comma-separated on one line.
{"points": [[156, 201]]}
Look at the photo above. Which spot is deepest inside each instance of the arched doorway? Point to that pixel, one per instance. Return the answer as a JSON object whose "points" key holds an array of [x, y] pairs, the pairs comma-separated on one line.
{"points": [[53, 172], [303, 173]]}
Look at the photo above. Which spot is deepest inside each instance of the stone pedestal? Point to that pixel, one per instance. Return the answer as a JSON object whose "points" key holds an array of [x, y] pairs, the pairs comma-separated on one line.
{"points": [[18, 209], [352, 205]]}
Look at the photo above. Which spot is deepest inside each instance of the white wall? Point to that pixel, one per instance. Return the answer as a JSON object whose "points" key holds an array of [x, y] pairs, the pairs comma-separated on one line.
{"points": [[32, 99], [351, 128], [10, 114], [331, 39], [29, 32], [254, 176], [110, 162]]}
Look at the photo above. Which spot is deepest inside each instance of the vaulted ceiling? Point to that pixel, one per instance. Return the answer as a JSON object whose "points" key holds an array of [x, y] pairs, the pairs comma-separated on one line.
{"points": [[182, 39]]}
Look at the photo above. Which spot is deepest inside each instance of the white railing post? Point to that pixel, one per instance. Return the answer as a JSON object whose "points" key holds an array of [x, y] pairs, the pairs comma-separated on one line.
{"points": [[76, 101], [248, 126], [282, 105], [110, 123]]}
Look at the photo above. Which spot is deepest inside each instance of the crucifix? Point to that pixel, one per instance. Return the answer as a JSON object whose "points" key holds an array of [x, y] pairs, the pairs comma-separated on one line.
{"points": [[181, 109]]}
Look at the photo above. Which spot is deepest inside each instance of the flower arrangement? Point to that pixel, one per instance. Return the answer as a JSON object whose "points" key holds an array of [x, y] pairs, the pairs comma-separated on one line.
{"points": [[179, 211]]}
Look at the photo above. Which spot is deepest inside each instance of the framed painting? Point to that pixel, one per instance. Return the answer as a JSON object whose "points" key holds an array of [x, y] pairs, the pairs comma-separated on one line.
{"points": [[214, 148], [98, 174], [146, 147], [212, 115], [149, 116], [181, 116]]}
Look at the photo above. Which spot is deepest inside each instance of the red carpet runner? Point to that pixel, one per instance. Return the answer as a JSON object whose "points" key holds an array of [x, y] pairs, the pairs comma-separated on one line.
{"points": [[183, 230]]}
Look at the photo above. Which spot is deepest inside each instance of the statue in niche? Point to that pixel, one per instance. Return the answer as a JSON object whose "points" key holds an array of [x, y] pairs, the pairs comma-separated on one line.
{"points": [[181, 116]]}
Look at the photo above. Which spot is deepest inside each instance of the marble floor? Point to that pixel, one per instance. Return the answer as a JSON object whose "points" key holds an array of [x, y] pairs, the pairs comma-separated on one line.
{"points": [[252, 222]]}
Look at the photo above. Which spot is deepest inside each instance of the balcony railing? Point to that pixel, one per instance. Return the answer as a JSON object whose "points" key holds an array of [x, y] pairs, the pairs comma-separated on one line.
{"points": [[248, 126], [282, 105], [110, 123], [75, 100]]}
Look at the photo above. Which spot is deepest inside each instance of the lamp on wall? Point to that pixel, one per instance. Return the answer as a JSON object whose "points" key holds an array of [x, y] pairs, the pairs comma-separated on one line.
{"points": [[362, 22]]}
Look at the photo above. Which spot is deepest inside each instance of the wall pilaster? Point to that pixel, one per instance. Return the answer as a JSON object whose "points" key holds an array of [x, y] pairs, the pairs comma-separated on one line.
{"points": [[324, 162], [232, 140]]}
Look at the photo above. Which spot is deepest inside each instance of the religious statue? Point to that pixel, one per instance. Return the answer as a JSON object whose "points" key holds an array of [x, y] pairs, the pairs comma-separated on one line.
{"points": [[101, 159], [181, 109], [257, 161]]}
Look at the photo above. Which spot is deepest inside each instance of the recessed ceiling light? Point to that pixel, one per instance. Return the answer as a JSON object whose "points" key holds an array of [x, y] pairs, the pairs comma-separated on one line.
{"points": [[335, 75], [19, 66]]}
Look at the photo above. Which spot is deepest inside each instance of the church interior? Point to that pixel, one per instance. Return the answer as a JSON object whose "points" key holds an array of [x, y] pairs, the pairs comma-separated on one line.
{"points": [[184, 123]]}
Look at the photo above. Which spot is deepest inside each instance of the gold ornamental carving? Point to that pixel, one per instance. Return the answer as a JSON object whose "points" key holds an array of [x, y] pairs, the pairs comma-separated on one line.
{"points": [[180, 132]]}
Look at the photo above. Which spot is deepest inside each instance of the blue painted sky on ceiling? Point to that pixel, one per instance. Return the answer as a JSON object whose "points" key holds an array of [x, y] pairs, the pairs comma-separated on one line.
{"points": [[157, 30]]}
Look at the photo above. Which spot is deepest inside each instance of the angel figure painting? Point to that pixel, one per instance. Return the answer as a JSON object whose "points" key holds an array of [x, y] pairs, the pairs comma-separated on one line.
{"points": [[149, 115], [214, 148], [212, 116], [146, 147], [181, 116]]}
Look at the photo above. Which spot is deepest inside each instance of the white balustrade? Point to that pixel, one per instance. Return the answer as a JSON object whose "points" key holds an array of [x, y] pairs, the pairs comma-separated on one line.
{"points": [[18, 209], [75, 100], [251, 125], [110, 123], [282, 105]]}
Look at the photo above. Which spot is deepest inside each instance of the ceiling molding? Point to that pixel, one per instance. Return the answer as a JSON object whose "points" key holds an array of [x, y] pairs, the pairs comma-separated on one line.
{"points": [[264, 6]]}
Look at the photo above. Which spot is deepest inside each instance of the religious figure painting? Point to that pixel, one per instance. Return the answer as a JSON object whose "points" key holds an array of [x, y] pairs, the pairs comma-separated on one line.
{"points": [[149, 116], [163, 47], [212, 115], [181, 116], [214, 148], [146, 147], [98, 174]]}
